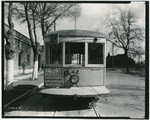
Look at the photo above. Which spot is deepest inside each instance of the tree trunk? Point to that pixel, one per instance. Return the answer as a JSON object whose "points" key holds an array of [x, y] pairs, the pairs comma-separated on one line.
{"points": [[9, 74], [9, 50], [35, 49], [127, 65], [29, 24], [33, 43], [55, 26], [43, 28], [35, 66]]}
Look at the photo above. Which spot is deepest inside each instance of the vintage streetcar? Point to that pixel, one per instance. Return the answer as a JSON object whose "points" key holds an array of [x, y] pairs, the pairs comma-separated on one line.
{"points": [[75, 64]]}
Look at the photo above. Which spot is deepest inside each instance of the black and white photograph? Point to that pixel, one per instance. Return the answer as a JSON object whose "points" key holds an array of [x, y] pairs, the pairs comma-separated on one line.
{"points": [[75, 59]]}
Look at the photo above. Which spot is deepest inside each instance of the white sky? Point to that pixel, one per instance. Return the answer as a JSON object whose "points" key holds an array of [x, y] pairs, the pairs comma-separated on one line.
{"points": [[92, 14], [92, 18]]}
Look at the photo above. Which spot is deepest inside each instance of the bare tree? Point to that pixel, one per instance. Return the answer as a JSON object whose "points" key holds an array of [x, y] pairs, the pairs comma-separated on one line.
{"points": [[9, 48], [43, 14], [49, 13], [125, 33], [25, 12], [74, 13], [31, 18], [136, 52]]}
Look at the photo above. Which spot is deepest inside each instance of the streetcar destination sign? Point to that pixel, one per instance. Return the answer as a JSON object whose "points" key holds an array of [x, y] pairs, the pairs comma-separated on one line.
{"points": [[53, 77], [53, 73]]}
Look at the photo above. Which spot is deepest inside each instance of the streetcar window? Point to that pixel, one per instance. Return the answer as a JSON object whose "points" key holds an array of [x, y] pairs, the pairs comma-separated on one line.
{"points": [[95, 53], [74, 53], [53, 53]]}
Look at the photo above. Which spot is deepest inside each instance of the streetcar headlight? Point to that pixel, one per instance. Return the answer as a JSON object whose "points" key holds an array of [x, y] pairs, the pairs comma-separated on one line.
{"points": [[74, 79]]}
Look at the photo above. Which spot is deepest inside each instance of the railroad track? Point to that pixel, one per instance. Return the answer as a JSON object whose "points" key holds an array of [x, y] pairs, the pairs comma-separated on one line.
{"points": [[96, 111], [92, 112], [13, 106], [19, 98]]}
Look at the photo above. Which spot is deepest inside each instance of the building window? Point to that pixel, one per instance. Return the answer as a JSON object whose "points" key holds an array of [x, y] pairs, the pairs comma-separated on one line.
{"points": [[19, 58], [28, 59]]}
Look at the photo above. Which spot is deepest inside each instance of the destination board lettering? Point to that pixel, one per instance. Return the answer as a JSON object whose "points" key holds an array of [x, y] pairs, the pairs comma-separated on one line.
{"points": [[53, 73], [52, 77], [53, 83]]}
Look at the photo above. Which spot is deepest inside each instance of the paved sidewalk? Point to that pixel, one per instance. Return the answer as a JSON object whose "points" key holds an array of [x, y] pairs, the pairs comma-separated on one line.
{"points": [[25, 80]]}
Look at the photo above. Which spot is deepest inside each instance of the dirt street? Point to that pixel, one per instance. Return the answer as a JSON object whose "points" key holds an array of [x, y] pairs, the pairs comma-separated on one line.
{"points": [[126, 98]]}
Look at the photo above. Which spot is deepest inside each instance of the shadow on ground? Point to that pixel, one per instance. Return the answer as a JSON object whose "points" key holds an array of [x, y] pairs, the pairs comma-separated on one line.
{"points": [[48, 103], [65, 103], [10, 95]]}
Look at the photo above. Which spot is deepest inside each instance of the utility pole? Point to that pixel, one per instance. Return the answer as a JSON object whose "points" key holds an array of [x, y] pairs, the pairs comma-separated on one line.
{"points": [[112, 56], [75, 23]]}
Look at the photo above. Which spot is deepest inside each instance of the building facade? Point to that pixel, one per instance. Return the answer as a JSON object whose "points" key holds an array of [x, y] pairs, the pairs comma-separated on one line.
{"points": [[23, 53], [119, 61]]}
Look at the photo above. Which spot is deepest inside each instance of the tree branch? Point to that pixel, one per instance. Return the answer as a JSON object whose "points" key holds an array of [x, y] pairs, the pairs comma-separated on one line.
{"points": [[57, 17], [114, 43], [29, 24]]}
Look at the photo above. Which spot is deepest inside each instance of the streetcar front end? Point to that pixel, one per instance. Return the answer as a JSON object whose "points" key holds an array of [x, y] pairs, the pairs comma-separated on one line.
{"points": [[75, 64]]}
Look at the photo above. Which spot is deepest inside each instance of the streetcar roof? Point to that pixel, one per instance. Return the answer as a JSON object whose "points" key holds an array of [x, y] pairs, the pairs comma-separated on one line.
{"points": [[77, 33]]}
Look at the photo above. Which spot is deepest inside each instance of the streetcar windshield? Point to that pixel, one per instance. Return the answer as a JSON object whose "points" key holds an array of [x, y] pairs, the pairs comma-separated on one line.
{"points": [[74, 53], [95, 53]]}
